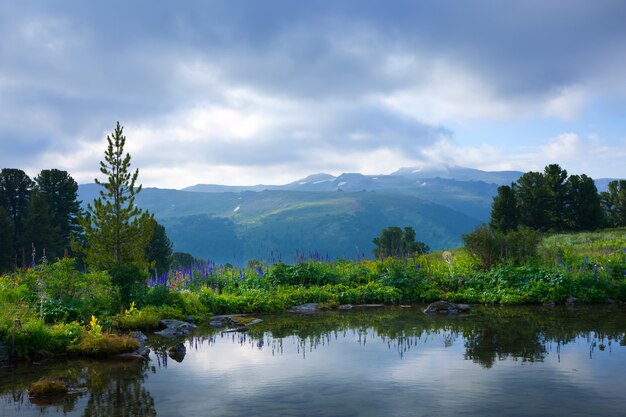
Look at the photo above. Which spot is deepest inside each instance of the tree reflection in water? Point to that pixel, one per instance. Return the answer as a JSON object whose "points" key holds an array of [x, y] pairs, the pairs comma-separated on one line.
{"points": [[111, 388], [486, 336]]}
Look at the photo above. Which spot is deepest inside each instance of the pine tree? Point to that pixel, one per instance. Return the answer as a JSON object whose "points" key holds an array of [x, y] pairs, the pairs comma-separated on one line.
{"points": [[504, 212], [582, 202], [554, 178], [15, 189], [614, 203], [41, 231], [159, 250], [117, 232], [61, 193], [6, 241]]}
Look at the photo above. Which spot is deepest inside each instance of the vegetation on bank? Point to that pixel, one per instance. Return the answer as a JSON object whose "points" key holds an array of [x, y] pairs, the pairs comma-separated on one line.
{"points": [[62, 310], [85, 307]]}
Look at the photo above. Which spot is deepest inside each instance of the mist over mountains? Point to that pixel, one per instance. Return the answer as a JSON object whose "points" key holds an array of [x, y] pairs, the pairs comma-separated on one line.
{"points": [[332, 216]]}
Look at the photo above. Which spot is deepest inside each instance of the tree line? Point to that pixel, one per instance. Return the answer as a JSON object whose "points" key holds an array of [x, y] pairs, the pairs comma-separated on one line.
{"points": [[553, 201], [42, 220], [541, 202]]}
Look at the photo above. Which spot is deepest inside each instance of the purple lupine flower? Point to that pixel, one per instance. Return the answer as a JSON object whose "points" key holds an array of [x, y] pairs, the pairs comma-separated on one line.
{"points": [[260, 271]]}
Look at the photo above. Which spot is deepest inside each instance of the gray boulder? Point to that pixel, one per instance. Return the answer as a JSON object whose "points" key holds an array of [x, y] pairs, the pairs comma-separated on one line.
{"points": [[446, 307], [175, 328], [177, 352], [239, 321], [304, 308]]}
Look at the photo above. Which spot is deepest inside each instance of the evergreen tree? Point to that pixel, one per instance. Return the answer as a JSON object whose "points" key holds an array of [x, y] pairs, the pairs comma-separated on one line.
{"points": [[554, 178], [614, 203], [15, 189], [159, 250], [532, 198], [504, 211], [41, 231], [582, 202], [61, 192], [394, 241], [6, 241], [116, 231]]}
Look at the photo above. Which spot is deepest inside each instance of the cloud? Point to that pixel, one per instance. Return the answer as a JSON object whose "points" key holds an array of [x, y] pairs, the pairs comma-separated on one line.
{"points": [[567, 104], [289, 86]]}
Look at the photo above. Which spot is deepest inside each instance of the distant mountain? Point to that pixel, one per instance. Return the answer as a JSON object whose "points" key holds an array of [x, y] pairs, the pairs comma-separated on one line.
{"points": [[460, 174], [272, 225], [336, 216]]}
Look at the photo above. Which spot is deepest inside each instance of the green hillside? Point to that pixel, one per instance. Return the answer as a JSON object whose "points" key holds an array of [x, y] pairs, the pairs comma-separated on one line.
{"points": [[271, 225]]}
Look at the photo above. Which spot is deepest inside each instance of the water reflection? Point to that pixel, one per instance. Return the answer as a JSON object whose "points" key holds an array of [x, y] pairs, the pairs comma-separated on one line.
{"points": [[98, 389], [395, 361]]}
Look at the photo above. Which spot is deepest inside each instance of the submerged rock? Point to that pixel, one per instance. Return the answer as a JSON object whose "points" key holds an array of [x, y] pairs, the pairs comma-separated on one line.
{"points": [[175, 328], [446, 307], [304, 308], [233, 320], [177, 352]]}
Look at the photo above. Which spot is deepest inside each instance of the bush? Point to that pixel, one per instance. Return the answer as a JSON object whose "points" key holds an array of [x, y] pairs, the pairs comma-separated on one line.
{"points": [[131, 281], [104, 344]]}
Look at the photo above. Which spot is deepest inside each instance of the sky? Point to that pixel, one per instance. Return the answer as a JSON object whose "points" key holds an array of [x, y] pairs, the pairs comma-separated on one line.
{"points": [[248, 92]]}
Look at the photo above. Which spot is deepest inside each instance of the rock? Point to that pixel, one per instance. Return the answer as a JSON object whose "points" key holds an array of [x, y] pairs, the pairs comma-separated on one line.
{"points": [[177, 352], [572, 301], [190, 319], [142, 353], [610, 301], [446, 307], [233, 320], [143, 350], [368, 305], [175, 328], [304, 308], [549, 304], [344, 307], [4, 353]]}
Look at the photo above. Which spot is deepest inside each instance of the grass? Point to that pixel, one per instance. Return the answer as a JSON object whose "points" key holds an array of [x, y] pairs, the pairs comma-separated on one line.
{"points": [[590, 266], [47, 387], [102, 345]]}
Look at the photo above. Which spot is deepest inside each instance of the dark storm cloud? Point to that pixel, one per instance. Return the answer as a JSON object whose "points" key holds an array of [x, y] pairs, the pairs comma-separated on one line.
{"points": [[70, 69]]}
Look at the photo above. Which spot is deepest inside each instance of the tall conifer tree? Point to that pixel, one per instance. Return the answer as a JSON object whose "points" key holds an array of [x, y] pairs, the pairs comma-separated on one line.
{"points": [[117, 232]]}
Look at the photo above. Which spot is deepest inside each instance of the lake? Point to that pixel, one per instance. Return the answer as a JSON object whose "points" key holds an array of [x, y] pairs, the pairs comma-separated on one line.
{"points": [[393, 361]]}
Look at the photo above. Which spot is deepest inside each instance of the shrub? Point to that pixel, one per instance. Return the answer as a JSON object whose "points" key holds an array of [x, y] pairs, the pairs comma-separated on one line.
{"points": [[104, 344]]}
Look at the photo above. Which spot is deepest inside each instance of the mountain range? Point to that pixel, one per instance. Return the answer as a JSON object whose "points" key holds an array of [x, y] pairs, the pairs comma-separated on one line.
{"points": [[321, 215]]}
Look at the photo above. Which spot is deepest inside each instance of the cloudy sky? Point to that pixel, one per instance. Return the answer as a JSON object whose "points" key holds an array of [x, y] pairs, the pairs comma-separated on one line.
{"points": [[247, 92]]}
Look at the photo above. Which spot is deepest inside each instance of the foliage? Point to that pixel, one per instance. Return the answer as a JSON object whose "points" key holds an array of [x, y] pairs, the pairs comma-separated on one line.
{"points": [[61, 193], [70, 294], [6, 241], [493, 246], [397, 242], [159, 250], [146, 318], [131, 281], [504, 210], [548, 201], [614, 203], [117, 232], [15, 187], [45, 386], [103, 344]]}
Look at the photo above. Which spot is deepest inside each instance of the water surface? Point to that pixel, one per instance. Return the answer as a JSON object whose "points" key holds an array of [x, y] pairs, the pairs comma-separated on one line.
{"points": [[525, 361]]}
